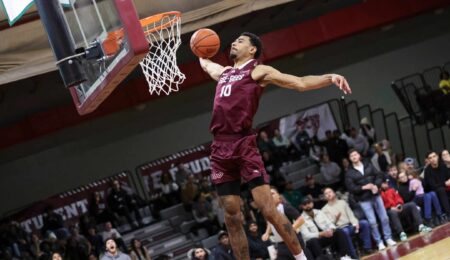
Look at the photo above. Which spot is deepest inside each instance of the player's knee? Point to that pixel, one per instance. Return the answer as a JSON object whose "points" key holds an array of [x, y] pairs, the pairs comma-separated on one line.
{"points": [[234, 220], [269, 212]]}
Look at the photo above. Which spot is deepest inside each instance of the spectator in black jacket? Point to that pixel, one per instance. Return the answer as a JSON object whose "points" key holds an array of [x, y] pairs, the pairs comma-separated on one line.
{"points": [[223, 250], [119, 201], [363, 181], [437, 179], [257, 247]]}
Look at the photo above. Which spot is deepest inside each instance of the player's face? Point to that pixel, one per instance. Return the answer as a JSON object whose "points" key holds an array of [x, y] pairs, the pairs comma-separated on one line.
{"points": [[241, 47]]}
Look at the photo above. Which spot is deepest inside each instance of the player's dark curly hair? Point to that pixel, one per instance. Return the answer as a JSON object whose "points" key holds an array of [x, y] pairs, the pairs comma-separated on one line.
{"points": [[255, 41]]}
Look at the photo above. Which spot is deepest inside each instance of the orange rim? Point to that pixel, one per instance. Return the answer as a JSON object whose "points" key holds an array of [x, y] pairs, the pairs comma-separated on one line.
{"points": [[111, 45], [159, 17]]}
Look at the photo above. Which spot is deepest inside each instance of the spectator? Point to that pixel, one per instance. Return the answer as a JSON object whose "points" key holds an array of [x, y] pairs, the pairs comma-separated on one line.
{"points": [[119, 202], [444, 83], [341, 146], [358, 142], [257, 247], [320, 232], [367, 131], [397, 210], [34, 247], [331, 147], [392, 176], [205, 188], [339, 212], [199, 253], [170, 190], [218, 209], [426, 200], [57, 256], [345, 165], [283, 146], [445, 156], [99, 210], [303, 140], [437, 179], [182, 174], [138, 251], [53, 222], [111, 232], [77, 247], [223, 250], [188, 192], [331, 172], [112, 252], [363, 181], [264, 143], [316, 150], [297, 221], [270, 164], [294, 197], [313, 191], [410, 164], [381, 159], [203, 215], [96, 241]]}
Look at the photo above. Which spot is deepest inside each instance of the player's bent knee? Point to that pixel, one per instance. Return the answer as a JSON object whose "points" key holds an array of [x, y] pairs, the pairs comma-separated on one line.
{"points": [[269, 213]]}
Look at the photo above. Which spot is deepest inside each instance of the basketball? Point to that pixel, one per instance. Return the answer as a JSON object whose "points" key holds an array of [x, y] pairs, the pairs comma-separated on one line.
{"points": [[205, 43]]}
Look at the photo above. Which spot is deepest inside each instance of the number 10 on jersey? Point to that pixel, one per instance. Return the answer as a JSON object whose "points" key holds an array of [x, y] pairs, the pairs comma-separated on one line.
{"points": [[225, 91]]}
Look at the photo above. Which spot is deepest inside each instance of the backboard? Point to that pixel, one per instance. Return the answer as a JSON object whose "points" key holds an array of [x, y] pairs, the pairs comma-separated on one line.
{"points": [[97, 43]]}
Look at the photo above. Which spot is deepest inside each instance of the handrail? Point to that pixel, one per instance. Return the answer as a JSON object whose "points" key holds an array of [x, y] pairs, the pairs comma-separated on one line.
{"points": [[384, 120], [413, 131], [429, 130], [354, 103], [399, 130]]}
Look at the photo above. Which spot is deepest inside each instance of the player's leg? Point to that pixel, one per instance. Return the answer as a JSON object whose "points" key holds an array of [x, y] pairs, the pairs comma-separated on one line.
{"points": [[229, 194], [254, 173], [263, 199]]}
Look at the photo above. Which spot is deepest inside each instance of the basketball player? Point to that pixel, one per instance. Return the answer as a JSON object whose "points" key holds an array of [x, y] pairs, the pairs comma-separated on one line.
{"points": [[234, 154]]}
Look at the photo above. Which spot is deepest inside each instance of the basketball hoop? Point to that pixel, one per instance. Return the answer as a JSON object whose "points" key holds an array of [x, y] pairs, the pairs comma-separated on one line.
{"points": [[160, 64]]}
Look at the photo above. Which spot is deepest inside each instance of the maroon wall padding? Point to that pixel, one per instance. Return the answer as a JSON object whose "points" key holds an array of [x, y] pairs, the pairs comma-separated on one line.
{"points": [[277, 44]]}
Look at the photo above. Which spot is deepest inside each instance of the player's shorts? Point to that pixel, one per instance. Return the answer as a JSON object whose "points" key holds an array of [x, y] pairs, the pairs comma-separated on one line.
{"points": [[236, 158]]}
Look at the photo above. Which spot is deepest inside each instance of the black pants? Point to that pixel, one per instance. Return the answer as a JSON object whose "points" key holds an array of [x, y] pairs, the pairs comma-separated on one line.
{"points": [[283, 252], [337, 241], [409, 214], [443, 199]]}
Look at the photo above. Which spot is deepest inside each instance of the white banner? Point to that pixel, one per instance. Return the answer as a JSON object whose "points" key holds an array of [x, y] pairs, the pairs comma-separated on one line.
{"points": [[14, 9], [316, 120]]}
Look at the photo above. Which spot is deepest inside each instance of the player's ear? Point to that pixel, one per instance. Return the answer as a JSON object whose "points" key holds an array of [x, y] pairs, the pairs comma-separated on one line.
{"points": [[253, 50]]}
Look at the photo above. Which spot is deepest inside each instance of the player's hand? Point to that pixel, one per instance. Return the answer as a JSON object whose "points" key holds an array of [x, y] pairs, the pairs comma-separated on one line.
{"points": [[341, 83], [265, 237]]}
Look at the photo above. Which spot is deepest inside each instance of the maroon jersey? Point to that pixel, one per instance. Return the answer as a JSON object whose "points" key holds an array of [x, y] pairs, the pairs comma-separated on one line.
{"points": [[236, 100]]}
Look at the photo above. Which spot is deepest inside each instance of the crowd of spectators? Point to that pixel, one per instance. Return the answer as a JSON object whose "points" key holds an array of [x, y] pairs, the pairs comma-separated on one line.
{"points": [[368, 198]]}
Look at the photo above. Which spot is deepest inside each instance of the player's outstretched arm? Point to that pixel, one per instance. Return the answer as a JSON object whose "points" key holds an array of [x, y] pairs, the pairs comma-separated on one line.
{"points": [[213, 69], [268, 75]]}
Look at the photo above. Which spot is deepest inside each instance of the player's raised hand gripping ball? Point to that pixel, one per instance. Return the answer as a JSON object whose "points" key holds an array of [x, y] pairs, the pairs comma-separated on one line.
{"points": [[205, 43]]}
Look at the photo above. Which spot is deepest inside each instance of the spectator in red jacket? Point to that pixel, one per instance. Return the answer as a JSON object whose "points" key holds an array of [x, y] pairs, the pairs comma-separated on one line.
{"points": [[401, 213]]}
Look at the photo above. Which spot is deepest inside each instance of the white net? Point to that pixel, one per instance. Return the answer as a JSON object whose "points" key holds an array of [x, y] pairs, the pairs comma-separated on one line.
{"points": [[160, 65]]}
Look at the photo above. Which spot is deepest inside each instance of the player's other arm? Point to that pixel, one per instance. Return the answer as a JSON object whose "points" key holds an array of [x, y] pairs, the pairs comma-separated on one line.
{"points": [[213, 69], [269, 75]]}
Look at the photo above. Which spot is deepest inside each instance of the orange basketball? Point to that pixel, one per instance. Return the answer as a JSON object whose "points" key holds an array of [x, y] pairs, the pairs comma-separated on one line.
{"points": [[205, 43]]}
